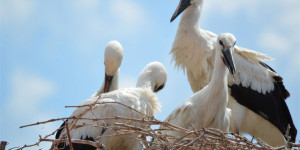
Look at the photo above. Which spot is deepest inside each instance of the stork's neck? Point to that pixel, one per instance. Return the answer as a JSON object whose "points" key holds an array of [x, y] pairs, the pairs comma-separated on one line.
{"points": [[114, 84], [145, 82], [218, 82], [215, 94], [115, 81], [191, 16]]}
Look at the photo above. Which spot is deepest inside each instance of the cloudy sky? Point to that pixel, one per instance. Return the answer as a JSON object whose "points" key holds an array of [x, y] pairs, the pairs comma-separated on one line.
{"points": [[52, 52]]}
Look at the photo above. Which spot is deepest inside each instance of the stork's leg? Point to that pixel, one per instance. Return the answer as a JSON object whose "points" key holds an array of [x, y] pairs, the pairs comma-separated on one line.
{"points": [[236, 129], [237, 115]]}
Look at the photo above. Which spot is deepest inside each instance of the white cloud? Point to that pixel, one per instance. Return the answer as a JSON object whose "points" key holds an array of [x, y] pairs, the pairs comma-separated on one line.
{"points": [[129, 13], [109, 18], [289, 20], [274, 41], [279, 20], [86, 3], [16, 8], [292, 70], [285, 27], [231, 7], [28, 91], [80, 23], [288, 10], [24, 105]]}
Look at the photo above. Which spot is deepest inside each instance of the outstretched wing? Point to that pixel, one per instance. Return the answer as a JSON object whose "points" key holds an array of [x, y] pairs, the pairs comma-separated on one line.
{"points": [[259, 88]]}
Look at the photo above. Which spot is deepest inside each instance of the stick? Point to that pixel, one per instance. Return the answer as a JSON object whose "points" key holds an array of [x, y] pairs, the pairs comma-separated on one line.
{"points": [[69, 137], [3, 145]]}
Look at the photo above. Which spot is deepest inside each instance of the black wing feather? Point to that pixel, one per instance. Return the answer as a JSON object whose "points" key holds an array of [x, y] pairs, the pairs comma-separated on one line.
{"points": [[63, 146], [60, 130], [284, 92], [271, 106]]}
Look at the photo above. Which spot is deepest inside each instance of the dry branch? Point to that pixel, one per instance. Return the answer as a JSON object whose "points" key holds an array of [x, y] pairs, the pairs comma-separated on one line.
{"points": [[204, 138], [69, 137], [3, 145]]}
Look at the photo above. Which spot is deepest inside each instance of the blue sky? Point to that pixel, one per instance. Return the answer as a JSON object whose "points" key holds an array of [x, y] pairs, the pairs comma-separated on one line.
{"points": [[52, 52]]}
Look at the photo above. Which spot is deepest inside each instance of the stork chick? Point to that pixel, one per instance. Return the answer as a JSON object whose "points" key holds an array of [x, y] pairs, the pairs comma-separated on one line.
{"points": [[208, 107], [113, 56], [142, 98]]}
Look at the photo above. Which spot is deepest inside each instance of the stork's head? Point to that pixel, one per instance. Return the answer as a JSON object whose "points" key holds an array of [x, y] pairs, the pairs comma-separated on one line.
{"points": [[154, 76], [112, 60], [225, 43], [184, 4]]}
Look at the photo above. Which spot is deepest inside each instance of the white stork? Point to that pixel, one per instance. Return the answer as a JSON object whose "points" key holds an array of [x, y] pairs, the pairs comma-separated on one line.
{"points": [[257, 94], [113, 56], [208, 107], [142, 98]]}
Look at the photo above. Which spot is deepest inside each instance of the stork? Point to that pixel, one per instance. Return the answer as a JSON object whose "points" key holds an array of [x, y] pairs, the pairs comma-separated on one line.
{"points": [[257, 94], [113, 56], [208, 107], [142, 98]]}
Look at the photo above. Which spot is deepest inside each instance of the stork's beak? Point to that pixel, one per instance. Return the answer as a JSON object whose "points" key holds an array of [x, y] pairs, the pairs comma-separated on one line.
{"points": [[228, 60], [156, 89], [107, 82], [183, 4]]}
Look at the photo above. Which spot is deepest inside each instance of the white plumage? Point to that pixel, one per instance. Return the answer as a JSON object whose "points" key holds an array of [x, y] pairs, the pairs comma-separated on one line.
{"points": [[193, 51], [113, 56], [208, 107], [142, 98]]}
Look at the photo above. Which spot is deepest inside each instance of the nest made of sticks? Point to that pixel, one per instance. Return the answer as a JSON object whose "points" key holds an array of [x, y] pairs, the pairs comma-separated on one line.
{"points": [[196, 139]]}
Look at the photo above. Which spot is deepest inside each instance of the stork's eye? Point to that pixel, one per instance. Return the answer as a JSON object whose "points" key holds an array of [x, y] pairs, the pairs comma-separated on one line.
{"points": [[221, 43], [234, 43]]}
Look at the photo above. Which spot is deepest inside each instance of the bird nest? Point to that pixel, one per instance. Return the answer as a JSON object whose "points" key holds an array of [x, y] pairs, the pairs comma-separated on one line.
{"points": [[195, 139]]}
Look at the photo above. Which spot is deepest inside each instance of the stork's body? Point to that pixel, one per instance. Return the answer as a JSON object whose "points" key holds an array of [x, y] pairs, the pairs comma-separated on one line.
{"points": [[208, 107], [257, 92], [143, 98], [113, 56]]}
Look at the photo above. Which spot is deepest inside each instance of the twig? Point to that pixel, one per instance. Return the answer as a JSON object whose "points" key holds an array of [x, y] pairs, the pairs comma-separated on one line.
{"points": [[287, 135], [37, 143], [69, 137], [192, 141], [102, 103], [194, 129], [263, 144], [3, 145], [44, 122], [295, 145]]}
